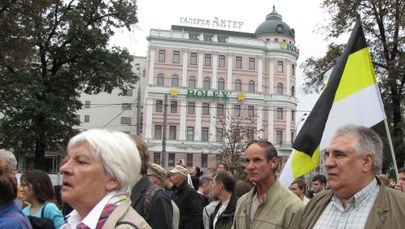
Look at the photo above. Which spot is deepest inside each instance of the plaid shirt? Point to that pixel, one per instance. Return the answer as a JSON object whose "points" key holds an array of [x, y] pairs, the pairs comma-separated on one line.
{"points": [[354, 215]]}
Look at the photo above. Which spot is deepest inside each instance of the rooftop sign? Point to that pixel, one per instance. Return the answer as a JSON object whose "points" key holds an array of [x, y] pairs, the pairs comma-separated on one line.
{"points": [[214, 23]]}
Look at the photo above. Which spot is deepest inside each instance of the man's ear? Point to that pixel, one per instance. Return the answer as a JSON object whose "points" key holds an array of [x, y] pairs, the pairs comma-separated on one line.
{"points": [[368, 162]]}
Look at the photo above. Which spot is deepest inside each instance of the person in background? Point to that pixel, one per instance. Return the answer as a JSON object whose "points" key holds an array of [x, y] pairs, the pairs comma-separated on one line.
{"points": [[157, 175], [269, 204], [385, 180], [222, 167], [204, 189], [298, 188], [10, 215], [9, 157], [99, 171], [186, 199], [195, 174], [355, 198], [148, 199], [318, 183], [37, 189], [223, 188], [401, 183]]}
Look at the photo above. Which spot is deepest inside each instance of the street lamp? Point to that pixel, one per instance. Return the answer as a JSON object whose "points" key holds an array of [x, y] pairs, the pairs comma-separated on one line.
{"points": [[300, 120]]}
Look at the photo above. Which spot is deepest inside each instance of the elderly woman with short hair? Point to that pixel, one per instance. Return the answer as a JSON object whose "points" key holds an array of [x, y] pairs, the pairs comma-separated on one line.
{"points": [[100, 169]]}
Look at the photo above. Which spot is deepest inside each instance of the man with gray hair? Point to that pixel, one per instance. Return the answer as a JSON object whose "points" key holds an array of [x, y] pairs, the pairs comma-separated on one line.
{"points": [[355, 198]]}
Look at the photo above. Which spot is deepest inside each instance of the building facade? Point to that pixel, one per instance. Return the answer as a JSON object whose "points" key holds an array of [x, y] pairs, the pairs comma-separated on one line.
{"points": [[205, 88]]}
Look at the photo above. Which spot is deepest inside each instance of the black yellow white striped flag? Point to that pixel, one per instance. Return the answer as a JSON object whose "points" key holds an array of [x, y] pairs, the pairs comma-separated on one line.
{"points": [[351, 96]]}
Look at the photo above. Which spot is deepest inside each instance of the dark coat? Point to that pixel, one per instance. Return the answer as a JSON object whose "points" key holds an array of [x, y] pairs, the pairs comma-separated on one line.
{"points": [[225, 220], [161, 210], [187, 200]]}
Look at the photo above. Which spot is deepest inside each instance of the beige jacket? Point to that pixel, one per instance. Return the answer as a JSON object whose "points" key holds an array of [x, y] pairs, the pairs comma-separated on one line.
{"points": [[277, 211], [125, 217]]}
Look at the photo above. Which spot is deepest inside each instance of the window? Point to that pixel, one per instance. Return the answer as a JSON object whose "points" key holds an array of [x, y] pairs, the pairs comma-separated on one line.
{"points": [[162, 54], [176, 57], [292, 115], [220, 109], [250, 135], [251, 87], [190, 133], [173, 107], [128, 92], [279, 89], [280, 66], [126, 106], [77, 118], [172, 159], [292, 91], [156, 158], [160, 80], [172, 133], [193, 58], [238, 85], [207, 83], [238, 62], [279, 113], [251, 111], [221, 84], [191, 82], [207, 60], [206, 108], [190, 108], [204, 134], [204, 160], [189, 160], [158, 132], [86, 118], [236, 110], [220, 134], [159, 105], [175, 81], [252, 63], [293, 69], [87, 104], [221, 61], [279, 137], [125, 120]]}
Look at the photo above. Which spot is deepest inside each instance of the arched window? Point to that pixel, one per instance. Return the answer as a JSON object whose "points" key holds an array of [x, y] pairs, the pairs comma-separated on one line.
{"points": [[221, 84], [279, 89], [160, 80], [251, 88], [191, 83], [238, 85], [207, 83], [175, 81]]}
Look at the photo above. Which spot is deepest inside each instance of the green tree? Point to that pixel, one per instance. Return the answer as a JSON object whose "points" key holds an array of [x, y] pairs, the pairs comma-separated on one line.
{"points": [[384, 26], [50, 52]]}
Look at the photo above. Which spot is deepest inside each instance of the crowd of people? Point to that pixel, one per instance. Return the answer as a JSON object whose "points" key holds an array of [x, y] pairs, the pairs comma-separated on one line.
{"points": [[108, 182]]}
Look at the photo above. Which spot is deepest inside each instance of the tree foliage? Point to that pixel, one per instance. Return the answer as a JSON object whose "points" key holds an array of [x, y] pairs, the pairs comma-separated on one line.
{"points": [[50, 52], [384, 26]]}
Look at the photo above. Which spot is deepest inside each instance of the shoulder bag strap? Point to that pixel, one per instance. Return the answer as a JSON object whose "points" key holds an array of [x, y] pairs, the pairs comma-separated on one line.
{"points": [[43, 209]]}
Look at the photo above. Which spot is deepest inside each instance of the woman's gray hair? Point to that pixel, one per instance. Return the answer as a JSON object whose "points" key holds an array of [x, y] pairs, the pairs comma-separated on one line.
{"points": [[366, 142], [116, 151], [9, 157]]}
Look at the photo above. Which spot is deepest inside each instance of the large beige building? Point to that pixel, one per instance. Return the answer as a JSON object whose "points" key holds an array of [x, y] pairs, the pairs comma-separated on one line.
{"points": [[205, 87]]}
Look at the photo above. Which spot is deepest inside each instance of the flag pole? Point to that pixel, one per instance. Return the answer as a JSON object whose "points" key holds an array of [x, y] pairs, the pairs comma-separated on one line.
{"points": [[391, 149]]}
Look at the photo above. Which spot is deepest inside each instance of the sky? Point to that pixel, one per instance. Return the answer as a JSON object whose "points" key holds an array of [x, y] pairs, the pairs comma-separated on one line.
{"points": [[304, 16]]}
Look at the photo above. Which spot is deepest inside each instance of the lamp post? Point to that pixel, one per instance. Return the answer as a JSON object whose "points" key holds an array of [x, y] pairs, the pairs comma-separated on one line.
{"points": [[300, 120]]}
